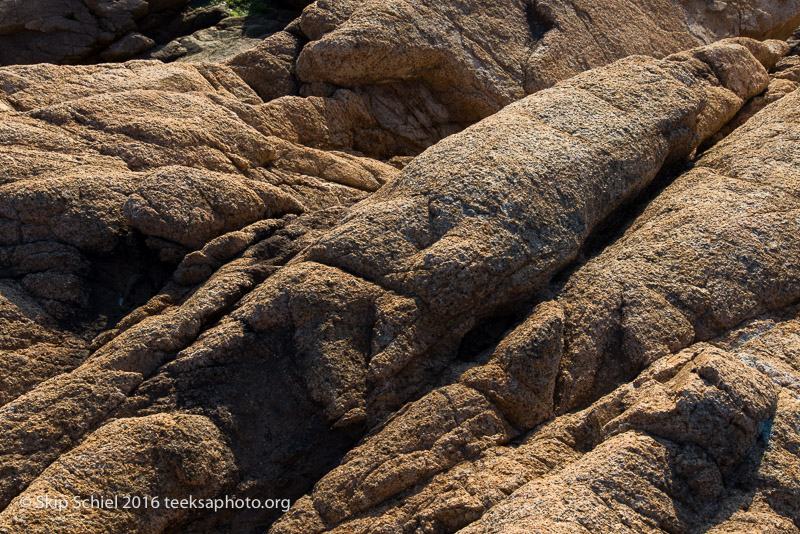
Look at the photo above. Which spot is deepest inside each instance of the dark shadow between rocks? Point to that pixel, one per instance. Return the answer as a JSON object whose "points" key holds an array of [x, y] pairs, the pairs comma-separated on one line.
{"points": [[741, 480], [538, 20]]}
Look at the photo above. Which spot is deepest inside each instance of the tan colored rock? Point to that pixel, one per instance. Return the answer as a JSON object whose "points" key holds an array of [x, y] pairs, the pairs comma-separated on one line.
{"points": [[357, 369], [789, 68], [674, 440], [338, 381], [190, 207], [353, 45], [67, 179], [777, 89], [556, 472], [297, 325], [79, 266], [601, 493], [695, 487], [60, 411], [32, 346], [676, 238], [37, 86], [493, 207], [269, 66], [172, 457]]}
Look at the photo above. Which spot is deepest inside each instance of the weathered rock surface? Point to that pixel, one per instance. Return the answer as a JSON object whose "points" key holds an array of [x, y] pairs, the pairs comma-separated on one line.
{"points": [[81, 31], [223, 40], [163, 28], [368, 314], [706, 434], [461, 64], [234, 279], [69, 31], [186, 456], [108, 169]]}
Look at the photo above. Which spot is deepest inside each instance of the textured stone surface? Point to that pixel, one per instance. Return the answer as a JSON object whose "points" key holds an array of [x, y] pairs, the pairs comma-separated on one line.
{"points": [[578, 314], [70, 31], [223, 40], [186, 456], [127, 47], [693, 439], [461, 64]]}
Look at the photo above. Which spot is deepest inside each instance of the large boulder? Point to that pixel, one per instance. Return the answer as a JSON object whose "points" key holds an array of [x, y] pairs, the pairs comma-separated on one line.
{"points": [[427, 68], [697, 356]]}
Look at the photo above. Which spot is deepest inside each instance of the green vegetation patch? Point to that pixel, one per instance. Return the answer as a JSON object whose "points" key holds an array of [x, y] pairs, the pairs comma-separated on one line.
{"points": [[239, 8]]}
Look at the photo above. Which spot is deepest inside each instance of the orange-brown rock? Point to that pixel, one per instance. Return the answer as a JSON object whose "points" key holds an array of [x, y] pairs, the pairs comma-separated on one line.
{"points": [[413, 267], [698, 356], [369, 314], [461, 64]]}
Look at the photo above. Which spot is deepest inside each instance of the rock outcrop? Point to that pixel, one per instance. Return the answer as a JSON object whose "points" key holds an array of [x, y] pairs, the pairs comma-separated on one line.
{"points": [[90, 209], [416, 267], [353, 43], [89, 31], [226, 38], [70, 31], [701, 432]]}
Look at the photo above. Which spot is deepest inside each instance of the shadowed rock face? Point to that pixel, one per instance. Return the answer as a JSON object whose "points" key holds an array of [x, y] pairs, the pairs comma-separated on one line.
{"points": [[91, 31], [231, 279], [227, 37], [72, 30]]}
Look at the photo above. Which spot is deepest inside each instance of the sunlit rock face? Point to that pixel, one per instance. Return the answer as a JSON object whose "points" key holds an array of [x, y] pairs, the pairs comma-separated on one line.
{"points": [[406, 267]]}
